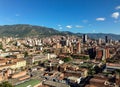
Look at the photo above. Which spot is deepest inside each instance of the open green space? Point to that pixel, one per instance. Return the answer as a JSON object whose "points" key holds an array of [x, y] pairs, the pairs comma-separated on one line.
{"points": [[30, 83]]}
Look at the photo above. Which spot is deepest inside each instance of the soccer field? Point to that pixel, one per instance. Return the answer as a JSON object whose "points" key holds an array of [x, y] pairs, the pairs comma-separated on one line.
{"points": [[30, 83]]}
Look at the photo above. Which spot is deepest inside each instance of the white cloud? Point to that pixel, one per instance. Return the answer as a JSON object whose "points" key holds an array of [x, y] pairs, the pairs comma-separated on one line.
{"points": [[118, 7], [69, 26], [115, 15], [79, 26], [100, 19]]}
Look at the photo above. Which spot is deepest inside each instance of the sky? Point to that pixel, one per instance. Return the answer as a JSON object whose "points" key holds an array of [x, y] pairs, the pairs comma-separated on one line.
{"points": [[78, 16]]}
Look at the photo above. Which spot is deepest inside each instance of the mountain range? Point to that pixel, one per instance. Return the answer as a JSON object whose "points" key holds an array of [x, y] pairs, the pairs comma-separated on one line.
{"points": [[24, 30]]}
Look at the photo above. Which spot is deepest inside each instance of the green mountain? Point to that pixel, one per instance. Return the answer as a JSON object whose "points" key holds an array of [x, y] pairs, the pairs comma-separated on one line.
{"points": [[24, 30]]}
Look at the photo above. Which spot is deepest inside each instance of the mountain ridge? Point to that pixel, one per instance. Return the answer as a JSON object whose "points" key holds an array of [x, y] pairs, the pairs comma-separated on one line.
{"points": [[24, 30]]}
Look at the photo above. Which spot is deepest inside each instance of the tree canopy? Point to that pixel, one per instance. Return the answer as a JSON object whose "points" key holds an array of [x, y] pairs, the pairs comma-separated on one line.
{"points": [[6, 84]]}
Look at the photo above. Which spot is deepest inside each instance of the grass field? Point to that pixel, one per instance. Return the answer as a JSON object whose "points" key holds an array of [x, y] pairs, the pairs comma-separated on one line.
{"points": [[30, 83]]}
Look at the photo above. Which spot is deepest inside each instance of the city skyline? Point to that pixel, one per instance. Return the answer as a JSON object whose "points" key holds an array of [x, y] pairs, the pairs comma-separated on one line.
{"points": [[78, 16]]}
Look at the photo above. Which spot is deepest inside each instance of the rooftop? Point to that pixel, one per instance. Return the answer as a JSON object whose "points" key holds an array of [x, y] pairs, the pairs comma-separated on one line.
{"points": [[55, 84]]}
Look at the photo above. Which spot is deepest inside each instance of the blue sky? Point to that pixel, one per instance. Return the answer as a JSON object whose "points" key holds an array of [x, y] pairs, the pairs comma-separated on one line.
{"points": [[84, 16]]}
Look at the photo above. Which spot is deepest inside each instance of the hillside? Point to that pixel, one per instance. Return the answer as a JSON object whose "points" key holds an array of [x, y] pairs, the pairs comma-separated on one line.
{"points": [[24, 30]]}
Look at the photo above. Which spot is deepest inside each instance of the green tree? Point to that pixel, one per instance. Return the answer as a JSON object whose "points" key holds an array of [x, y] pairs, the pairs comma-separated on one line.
{"points": [[91, 71], [1, 46], [67, 59], [25, 54], [6, 84]]}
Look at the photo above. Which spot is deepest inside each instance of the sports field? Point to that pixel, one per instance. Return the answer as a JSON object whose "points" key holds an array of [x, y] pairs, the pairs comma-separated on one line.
{"points": [[30, 83]]}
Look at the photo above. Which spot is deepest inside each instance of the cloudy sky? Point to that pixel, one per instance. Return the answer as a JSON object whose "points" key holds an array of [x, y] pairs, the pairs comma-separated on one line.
{"points": [[85, 16]]}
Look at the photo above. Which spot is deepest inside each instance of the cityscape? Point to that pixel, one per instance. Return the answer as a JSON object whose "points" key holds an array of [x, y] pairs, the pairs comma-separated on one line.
{"points": [[36, 51]]}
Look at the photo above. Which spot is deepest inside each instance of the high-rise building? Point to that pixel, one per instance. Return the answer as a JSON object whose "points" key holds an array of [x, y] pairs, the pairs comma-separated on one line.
{"points": [[119, 40], [107, 53], [58, 45], [102, 53], [84, 38], [99, 54], [92, 53], [75, 48], [106, 39], [78, 47], [99, 41], [71, 49], [67, 42], [63, 41]]}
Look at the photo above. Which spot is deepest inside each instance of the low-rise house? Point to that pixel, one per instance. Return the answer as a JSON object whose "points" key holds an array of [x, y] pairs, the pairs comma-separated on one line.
{"points": [[10, 65], [54, 84], [73, 79], [17, 75], [72, 70], [54, 76], [102, 81]]}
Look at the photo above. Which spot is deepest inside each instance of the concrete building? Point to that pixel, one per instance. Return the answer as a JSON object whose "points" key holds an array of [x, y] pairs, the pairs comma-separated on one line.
{"points": [[84, 38]]}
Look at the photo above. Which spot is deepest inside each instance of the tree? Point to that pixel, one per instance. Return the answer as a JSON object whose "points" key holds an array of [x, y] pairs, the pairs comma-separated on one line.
{"points": [[97, 69], [91, 71], [6, 84], [86, 57], [67, 59], [1, 46], [25, 54]]}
